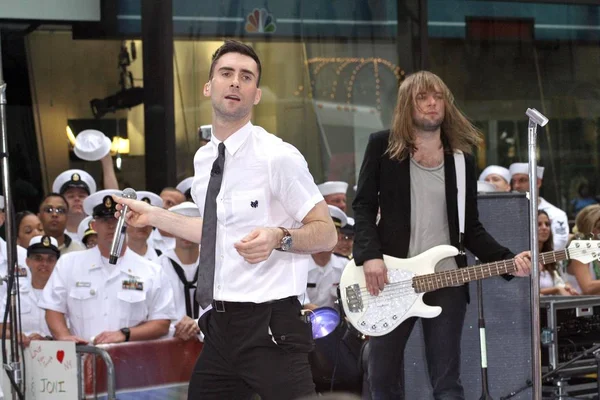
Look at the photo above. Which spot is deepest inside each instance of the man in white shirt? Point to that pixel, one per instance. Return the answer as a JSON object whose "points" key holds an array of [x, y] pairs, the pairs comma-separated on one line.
{"points": [[257, 197], [107, 303], [53, 215], [519, 175], [181, 268]]}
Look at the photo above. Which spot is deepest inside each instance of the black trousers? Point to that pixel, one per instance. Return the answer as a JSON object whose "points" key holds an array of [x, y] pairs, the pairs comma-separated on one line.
{"points": [[442, 336], [254, 348]]}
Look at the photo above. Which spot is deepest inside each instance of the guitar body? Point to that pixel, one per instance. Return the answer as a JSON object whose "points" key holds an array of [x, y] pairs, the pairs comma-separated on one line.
{"points": [[379, 315]]}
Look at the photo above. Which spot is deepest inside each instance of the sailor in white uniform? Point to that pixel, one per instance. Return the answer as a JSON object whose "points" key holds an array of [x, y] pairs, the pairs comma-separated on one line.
{"points": [[107, 303]]}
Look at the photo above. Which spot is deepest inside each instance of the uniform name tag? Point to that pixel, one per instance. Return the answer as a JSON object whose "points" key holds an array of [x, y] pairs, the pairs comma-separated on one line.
{"points": [[83, 284], [130, 284]]}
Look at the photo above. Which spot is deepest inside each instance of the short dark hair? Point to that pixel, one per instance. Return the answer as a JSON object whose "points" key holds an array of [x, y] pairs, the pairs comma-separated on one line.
{"points": [[233, 46], [54, 194]]}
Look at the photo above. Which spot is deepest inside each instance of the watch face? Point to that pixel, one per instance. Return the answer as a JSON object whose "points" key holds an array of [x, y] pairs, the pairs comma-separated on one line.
{"points": [[286, 243]]}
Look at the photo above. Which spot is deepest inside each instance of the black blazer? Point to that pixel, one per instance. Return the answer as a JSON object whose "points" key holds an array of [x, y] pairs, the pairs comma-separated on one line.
{"points": [[385, 183]]}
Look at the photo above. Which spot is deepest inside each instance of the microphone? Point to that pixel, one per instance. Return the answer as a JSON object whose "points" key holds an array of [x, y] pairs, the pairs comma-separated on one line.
{"points": [[536, 116], [119, 238]]}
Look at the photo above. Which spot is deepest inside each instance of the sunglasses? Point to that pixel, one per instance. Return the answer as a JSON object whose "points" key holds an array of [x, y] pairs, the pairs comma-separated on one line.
{"points": [[57, 210]]}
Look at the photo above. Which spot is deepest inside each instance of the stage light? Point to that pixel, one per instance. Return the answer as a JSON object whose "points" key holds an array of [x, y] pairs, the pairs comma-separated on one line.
{"points": [[126, 98], [119, 145]]}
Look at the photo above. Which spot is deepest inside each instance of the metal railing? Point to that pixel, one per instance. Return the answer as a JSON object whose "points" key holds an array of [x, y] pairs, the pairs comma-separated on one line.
{"points": [[111, 385]]}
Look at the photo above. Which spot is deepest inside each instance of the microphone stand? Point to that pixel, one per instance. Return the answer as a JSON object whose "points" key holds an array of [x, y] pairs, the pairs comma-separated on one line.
{"points": [[485, 392], [12, 366], [535, 119]]}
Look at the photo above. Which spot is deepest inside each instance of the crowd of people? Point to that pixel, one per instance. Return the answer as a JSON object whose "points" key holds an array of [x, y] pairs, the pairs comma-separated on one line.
{"points": [[236, 254]]}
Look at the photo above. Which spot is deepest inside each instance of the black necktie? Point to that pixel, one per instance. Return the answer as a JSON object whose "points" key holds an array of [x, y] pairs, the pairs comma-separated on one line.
{"points": [[206, 275], [187, 285]]}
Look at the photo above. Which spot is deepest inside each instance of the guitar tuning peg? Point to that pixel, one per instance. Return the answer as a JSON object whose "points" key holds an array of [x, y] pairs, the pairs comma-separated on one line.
{"points": [[590, 236]]}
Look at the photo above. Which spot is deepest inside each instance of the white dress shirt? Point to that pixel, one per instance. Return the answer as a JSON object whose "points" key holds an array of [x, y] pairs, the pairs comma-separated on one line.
{"points": [[151, 254], [266, 183], [33, 318], [93, 296], [324, 281], [189, 271], [559, 223]]}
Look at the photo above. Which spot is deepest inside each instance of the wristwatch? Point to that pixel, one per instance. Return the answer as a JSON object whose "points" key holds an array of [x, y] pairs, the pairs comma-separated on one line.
{"points": [[126, 332], [286, 241]]}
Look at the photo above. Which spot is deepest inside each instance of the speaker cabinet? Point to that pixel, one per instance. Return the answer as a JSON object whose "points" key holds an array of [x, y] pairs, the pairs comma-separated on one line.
{"points": [[507, 315]]}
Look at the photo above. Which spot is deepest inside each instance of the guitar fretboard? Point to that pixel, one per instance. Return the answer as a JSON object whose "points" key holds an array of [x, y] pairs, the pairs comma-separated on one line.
{"points": [[438, 280]]}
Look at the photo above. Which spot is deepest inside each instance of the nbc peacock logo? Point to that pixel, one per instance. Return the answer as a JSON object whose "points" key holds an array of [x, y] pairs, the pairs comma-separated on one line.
{"points": [[260, 21]]}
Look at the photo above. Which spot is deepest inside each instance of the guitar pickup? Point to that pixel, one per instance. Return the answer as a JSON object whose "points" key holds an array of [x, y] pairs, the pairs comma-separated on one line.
{"points": [[354, 298]]}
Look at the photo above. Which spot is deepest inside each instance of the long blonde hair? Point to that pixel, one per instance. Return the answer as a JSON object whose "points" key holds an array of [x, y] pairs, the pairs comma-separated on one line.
{"points": [[457, 131]]}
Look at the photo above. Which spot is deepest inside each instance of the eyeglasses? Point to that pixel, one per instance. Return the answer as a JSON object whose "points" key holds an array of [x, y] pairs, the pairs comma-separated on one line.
{"points": [[52, 210]]}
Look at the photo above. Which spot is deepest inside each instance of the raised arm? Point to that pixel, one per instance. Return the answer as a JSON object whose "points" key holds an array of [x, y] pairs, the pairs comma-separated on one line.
{"points": [[108, 173], [142, 214]]}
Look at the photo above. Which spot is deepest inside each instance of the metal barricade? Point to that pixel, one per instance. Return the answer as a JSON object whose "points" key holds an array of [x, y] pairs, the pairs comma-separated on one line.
{"points": [[110, 371]]}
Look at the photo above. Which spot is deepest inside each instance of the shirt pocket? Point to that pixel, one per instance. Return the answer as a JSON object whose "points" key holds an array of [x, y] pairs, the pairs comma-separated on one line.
{"points": [[81, 302], [132, 307], [248, 209]]}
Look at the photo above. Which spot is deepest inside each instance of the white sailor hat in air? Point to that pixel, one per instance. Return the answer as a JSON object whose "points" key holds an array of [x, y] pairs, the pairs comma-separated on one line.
{"points": [[186, 208], [495, 170], [101, 204], [185, 186], [43, 244], [333, 187], [523, 168], [151, 198], [91, 145], [339, 217], [74, 178], [85, 228]]}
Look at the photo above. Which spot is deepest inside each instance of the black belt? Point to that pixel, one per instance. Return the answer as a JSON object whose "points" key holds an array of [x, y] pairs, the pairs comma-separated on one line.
{"points": [[223, 306]]}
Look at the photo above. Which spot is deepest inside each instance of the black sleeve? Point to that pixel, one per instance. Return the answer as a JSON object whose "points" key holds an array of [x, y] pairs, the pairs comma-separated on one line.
{"points": [[367, 245], [477, 239]]}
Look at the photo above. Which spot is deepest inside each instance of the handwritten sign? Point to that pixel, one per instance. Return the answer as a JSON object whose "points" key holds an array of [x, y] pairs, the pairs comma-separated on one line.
{"points": [[51, 369]]}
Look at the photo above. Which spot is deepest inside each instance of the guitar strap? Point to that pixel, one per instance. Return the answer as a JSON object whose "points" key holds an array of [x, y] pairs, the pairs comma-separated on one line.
{"points": [[459, 166]]}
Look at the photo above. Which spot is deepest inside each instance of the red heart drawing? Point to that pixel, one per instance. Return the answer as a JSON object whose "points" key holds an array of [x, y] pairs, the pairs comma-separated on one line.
{"points": [[60, 356]]}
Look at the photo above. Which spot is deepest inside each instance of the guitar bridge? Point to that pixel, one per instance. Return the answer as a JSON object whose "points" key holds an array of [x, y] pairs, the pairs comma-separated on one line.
{"points": [[354, 298]]}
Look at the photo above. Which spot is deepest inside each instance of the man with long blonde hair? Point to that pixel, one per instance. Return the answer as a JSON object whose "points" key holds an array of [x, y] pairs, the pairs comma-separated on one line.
{"points": [[408, 172]]}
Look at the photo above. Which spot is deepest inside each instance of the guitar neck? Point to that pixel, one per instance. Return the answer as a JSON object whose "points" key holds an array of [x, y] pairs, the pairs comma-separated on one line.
{"points": [[439, 280]]}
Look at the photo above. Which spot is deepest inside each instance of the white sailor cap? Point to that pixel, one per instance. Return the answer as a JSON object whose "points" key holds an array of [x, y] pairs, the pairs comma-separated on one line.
{"points": [[339, 217], [43, 244], [348, 229], [185, 186], [85, 228], [2, 202], [523, 168], [332, 187], [186, 208], [495, 170], [74, 178], [101, 204], [151, 198]]}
